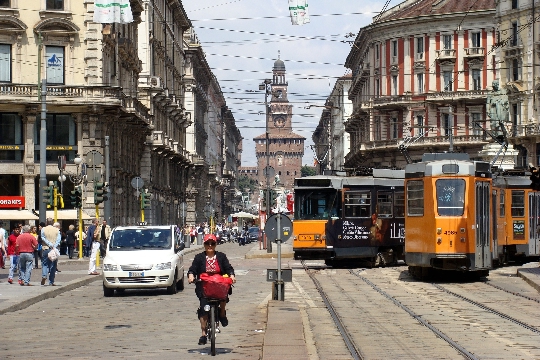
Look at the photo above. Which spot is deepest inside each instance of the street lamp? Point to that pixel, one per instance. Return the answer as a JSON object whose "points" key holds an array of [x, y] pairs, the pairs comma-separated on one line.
{"points": [[265, 85]]}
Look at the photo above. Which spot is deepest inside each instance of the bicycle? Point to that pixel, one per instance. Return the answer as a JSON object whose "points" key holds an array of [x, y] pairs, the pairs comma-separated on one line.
{"points": [[214, 293]]}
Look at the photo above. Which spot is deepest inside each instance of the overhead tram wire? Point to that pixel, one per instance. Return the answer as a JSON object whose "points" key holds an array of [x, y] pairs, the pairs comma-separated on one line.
{"points": [[284, 17]]}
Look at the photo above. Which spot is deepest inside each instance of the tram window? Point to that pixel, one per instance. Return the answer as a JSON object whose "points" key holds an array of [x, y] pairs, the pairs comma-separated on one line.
{"points": [[415, 198], [501, 204], [399, 204], [357, 204], [518, 203], [384, 204], [450, 197]]}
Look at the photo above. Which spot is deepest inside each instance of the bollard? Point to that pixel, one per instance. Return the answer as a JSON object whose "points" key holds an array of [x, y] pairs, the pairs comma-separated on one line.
{"points": [[199, 239], [187, 240]]}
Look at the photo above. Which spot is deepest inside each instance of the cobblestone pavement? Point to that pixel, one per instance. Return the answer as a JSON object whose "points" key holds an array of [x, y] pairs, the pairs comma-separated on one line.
{"points": [[82, 324]]}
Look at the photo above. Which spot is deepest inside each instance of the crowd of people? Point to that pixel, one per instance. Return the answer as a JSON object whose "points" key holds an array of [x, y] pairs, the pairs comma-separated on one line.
{"points": [[26, 245], [222, 231]]}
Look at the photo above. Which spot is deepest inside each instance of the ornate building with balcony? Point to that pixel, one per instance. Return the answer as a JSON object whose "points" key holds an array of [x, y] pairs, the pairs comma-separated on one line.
{"points": [[165, 161], [213, 140], [420, 77], [91, 71], [330, 140], [518, 51]]}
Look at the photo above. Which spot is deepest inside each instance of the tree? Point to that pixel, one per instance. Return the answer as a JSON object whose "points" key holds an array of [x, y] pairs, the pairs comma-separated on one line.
{"points": [[308, 171], [246, 182]]}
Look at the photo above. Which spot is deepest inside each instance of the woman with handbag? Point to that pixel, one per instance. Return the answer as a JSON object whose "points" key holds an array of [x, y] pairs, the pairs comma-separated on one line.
{"points": [[211, 262], [50, 238]]}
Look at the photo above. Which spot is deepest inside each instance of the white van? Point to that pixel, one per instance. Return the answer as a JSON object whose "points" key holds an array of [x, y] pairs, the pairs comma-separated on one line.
{"points": [[141, 257]]}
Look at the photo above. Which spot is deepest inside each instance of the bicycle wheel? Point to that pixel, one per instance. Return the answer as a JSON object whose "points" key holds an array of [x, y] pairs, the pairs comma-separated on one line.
{"points": [[213, 329]]}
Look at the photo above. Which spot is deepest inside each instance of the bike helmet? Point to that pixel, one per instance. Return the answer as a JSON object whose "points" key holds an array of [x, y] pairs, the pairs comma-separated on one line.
{"points": [[209, 237]]}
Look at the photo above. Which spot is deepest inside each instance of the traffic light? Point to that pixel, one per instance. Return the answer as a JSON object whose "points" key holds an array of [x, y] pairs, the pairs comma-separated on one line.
{"points": [[263, 200], [48, 196], [145, 200], [99, 192], [76, 198]]}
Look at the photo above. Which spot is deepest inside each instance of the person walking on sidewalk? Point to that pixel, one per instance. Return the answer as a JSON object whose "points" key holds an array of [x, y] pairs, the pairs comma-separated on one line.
{"points": [[2, 247], [57, 225], [104, 234], [33, 231], [50, 236], [26, 244], [70, 240], [13, 254], [95, 253], [91, 233]]}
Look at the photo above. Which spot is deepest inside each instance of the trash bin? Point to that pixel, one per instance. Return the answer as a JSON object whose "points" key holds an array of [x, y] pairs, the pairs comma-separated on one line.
{"points": [[187, 240], [199, 239]]}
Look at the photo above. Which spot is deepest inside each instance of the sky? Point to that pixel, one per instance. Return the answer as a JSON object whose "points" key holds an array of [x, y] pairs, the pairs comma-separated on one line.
{"points": [[243, 38]]}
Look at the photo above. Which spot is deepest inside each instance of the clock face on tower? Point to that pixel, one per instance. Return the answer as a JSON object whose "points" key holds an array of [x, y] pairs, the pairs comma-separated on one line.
{"points": [[279, 122], [278, 94]]}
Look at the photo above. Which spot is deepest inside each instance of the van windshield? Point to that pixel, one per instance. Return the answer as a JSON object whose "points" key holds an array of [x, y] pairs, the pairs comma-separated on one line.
{"points": [[123, 239]]}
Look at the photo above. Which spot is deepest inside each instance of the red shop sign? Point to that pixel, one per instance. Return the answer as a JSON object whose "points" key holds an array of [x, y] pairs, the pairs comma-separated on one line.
{"points": [[11, 202]]}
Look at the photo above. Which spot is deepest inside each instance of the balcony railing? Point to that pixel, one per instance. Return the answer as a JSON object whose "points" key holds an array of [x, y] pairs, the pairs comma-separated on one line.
{"points": [[446, 55], [390, 100], [457, 95], [428, 140], [474, 52], [84, 92]]}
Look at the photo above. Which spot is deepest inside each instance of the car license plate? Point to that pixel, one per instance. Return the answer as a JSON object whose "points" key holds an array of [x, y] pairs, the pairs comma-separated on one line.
{"points": [[136, 273]]}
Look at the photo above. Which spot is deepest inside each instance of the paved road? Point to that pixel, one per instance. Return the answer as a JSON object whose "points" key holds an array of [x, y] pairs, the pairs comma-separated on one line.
{"points": [[150, 324]]}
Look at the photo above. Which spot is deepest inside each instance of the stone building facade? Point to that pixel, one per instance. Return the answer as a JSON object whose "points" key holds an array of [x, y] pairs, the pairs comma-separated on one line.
{"points": [[421, 74], [518, 54], [330, 140], [116, 88], [285, 148]]}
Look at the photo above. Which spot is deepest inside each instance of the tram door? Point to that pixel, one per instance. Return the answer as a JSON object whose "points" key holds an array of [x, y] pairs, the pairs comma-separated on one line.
{"points": [[534, 223], [495, 218], [483, 225]]}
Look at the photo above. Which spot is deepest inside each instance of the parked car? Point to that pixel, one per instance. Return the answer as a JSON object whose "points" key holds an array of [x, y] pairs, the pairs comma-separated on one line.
{"points": [[253, 233], [144, 257]]}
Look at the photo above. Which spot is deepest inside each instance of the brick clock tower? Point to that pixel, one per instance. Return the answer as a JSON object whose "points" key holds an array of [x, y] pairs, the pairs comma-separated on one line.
{"points": [[285, 147]]}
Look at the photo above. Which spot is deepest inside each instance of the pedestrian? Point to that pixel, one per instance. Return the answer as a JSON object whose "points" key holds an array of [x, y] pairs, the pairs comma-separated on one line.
{"points": [[90, 234], [77, 238], [33, 231], [13, 254], [50, 237], [193, 234], [93, 256], [62, 237], [104, 234], [2, 245], [70, 240], [25, 245]]}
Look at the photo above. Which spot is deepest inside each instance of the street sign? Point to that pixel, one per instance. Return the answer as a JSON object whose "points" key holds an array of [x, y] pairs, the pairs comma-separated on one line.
{"points": [[94, 158], [271, 230], [137, 182], [286, 275]]}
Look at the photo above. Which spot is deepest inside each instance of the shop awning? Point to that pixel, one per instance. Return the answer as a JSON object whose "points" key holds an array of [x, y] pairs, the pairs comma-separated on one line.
{"points": [[17, 215], [68, 214]]}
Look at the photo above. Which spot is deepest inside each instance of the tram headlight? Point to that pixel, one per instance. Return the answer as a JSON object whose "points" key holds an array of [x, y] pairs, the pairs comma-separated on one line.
{"points": [[317, 236], [439, 241], [439, 231]]}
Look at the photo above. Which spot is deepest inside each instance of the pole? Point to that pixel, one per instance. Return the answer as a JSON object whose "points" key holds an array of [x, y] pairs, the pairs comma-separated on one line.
{"points": [[108, 193], [55, 203], [42, 152], [79, 215], [278, 241], [268, 206]]}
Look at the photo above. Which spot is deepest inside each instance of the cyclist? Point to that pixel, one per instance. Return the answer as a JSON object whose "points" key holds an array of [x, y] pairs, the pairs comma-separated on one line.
{"points": [[212, 262]]}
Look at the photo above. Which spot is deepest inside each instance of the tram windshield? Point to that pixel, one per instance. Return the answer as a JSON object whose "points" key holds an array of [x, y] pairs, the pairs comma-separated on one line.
{"points": [[450, 197], [317, 204]]}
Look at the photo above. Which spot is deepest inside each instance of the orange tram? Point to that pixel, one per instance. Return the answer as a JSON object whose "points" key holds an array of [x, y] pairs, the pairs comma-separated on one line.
{"points": [[350, 219], [446, 212]]}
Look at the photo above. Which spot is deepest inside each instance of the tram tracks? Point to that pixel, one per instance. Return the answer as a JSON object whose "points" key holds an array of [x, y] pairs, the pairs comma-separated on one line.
{"points": [[459, 326]]}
